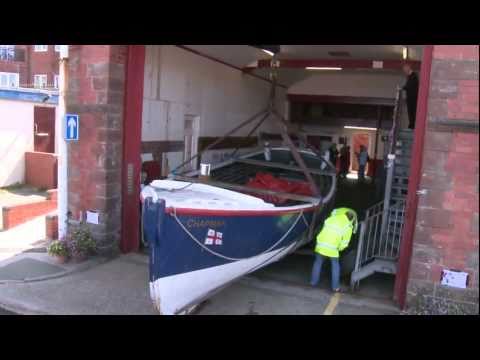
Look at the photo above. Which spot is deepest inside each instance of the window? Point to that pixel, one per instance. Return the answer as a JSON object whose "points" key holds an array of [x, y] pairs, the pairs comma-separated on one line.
{"points": [[7, 52], [41, 48], [58, 48], [40, 81], [55, 81], [9, 80]]}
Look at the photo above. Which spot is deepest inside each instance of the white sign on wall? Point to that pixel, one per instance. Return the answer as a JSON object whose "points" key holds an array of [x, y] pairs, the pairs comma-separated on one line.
{"points": [[453, 278]]}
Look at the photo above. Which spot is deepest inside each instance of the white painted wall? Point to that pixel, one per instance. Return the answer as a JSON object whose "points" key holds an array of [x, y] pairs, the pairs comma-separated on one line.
{"points": [[365, 84], [178, 82], [16, 137]]}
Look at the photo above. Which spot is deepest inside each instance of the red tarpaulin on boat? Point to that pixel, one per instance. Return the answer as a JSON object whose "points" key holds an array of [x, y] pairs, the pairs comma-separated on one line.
{"points": [[269, 182]]}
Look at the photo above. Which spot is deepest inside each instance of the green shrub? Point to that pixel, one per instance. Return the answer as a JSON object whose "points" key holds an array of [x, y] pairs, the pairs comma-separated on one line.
{"points": [[81, 242], [58, 248]]}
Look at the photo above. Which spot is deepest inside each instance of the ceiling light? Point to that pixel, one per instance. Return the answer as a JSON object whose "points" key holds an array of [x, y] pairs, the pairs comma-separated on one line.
{"points": [[268, 52], [322, 68], [360, 128], [405, 53]]}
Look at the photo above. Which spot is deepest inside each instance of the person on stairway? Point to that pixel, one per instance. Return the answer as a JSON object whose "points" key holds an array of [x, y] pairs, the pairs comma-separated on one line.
{"points": [[332, 239], [411, 89]]}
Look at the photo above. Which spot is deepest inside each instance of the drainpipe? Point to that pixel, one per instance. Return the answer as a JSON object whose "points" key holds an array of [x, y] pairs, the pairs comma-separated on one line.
{"points": [[62, 182]]}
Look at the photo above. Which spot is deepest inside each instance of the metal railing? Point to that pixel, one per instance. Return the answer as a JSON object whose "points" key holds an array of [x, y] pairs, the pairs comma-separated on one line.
{"points": [[377, 244], [395, 125]]}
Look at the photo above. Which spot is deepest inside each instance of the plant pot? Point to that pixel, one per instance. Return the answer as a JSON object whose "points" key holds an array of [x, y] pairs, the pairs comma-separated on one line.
{"points": [[60, 259]]}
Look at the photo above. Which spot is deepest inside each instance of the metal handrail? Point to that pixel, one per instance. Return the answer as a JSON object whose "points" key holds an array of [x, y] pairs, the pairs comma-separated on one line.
{"points": [[377, 243], [373, 209], [395, 125]]}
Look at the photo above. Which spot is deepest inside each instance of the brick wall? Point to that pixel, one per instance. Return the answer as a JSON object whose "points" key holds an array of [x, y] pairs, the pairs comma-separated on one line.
{"points": [[51, 227], [41, 170], [446, 231], [20, 67], [96, 89], [19, 214], [44, 63], [34, 63]]}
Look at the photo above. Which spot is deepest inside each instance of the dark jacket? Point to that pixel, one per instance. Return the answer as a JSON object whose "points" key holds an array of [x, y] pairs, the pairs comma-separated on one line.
{"points": [[411, 88]]}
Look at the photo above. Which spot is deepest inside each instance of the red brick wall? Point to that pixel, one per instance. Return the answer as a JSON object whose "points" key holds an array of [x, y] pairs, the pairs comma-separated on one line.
{"points": [[35, 63], [19, 214], [51, 227], [41, 170], [44, 63], [20, 67], [96, 89], [446, 232]]}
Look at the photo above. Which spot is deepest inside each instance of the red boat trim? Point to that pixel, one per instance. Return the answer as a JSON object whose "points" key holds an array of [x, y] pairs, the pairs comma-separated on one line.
{"points": [[206, 212]]}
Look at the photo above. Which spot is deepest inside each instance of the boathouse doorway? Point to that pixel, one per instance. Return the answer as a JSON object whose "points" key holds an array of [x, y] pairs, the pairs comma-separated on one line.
{"points": [[159, 127]]}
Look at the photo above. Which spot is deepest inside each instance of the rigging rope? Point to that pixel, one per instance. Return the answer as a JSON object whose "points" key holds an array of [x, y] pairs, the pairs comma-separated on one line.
{"points": [[232, 258]]}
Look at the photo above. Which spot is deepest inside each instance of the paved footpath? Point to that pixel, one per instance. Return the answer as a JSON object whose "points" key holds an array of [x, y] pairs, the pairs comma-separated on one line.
{"points": [[120, 287]]}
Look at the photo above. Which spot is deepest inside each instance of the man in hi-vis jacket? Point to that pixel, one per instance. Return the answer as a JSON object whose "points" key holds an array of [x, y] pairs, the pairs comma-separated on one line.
{"points": [[334, 238]]}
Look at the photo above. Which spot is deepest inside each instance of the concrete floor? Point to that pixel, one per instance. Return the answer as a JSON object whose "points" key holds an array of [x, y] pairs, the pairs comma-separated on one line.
{"points": [[260, 296], [296, 270], [120, 287]]}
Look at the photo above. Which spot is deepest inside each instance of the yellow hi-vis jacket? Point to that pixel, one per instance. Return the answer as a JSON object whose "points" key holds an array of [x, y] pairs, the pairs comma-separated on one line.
{"points": [[335, 235]]}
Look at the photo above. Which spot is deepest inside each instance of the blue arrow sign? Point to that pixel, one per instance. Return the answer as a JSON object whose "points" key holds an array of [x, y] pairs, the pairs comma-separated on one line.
{"points": [[72, 123]]}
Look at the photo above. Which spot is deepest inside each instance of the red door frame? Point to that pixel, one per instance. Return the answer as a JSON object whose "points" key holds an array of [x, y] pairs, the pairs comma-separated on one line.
{"points": [[44, 121], [132, 142], [414, 180]]}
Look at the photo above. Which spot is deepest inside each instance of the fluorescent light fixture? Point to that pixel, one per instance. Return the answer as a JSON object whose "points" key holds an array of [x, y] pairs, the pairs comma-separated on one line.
{"points": [[268, 52], [322, 68], [360, 128], [405, 53]]}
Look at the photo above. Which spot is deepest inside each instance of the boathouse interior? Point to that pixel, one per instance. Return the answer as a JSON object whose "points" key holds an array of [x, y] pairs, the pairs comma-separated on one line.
{"points": [[340, 95]]}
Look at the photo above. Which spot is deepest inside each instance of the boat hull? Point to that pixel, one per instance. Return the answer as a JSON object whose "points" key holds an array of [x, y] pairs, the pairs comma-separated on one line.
{"points": [[195, 252]]}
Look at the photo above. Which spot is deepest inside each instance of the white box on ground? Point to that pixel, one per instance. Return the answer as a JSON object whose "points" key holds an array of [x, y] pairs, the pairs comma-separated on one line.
{"points": [[92, 217], [454, 278]]}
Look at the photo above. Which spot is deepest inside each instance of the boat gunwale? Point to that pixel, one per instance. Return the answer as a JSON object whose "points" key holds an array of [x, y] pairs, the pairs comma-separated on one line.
{"points": [[247, 212]]}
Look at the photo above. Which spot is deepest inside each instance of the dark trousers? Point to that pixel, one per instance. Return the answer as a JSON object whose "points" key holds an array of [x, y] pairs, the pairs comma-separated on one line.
{"points": [[361, 172], [412, 113]]}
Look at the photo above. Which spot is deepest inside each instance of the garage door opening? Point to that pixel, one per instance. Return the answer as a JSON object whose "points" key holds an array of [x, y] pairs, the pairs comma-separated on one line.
{"points": [[186, 107]]}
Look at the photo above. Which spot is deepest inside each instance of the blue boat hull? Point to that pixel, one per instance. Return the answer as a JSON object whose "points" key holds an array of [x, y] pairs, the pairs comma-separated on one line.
{"points": [[195, 253]]}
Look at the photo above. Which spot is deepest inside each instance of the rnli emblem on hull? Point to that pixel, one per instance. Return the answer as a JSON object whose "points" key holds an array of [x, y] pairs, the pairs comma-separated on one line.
{"points": [[213, 237]]}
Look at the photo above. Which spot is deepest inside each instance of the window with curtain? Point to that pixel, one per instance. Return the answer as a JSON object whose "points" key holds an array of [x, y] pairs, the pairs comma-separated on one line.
{"points": [[40, 81], [41, 48], [9, 80], [7, 52]]}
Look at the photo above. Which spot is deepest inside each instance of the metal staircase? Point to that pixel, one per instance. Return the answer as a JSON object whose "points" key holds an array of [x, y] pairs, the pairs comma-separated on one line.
{"points": [[381, 230]]}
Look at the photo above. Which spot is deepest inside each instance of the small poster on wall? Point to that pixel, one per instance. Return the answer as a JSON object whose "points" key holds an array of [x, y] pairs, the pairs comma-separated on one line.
{"points": [[454, 278]]}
